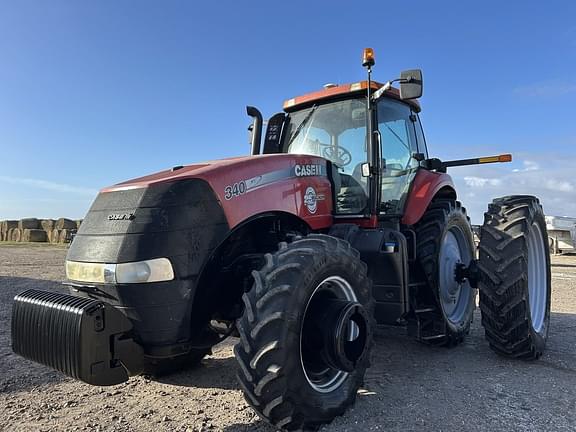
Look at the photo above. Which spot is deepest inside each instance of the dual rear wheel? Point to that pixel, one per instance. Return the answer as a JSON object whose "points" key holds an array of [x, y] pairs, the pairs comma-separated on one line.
{"points": [[513, 275]]}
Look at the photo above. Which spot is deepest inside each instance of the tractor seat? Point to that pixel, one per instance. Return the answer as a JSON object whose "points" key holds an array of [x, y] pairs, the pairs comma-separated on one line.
{"points": [[352, 197]]}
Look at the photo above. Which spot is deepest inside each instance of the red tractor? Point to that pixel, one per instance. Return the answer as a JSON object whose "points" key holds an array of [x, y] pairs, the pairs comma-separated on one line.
{"points": [[342, 222]]}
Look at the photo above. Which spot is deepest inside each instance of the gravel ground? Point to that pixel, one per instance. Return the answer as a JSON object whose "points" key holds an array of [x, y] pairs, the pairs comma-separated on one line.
{"points": [[409, 387]]}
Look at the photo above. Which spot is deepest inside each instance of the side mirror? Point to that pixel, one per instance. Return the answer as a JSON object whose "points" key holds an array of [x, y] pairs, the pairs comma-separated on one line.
{"points": [[366, 169], [411, 84]]}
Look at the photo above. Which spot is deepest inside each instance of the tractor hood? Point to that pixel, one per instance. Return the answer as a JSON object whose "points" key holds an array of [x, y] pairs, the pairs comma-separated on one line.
{"points": [[249, 185], [197, 170]]}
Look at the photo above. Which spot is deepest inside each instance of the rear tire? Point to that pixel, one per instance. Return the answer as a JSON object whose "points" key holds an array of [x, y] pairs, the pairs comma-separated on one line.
{"points": [[515, 280], [444, 310], [281, 371]]}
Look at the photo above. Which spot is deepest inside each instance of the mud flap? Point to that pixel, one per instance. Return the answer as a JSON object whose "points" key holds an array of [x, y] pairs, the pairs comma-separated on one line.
{"points": [[83, 338]]}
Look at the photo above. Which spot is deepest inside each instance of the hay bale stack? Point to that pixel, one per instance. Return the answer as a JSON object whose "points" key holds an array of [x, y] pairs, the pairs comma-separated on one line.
{"points": [[28, 223], [5, 226], [66, 224], [39, 230], [34, 235], [47, 224], [16, 235], [66, 235], [55, 235]]}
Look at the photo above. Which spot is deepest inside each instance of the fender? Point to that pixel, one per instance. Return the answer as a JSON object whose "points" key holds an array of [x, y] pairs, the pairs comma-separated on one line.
{"points": [[426, 186]]}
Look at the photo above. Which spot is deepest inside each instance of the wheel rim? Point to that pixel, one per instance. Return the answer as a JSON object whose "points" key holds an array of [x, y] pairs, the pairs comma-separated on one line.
{"points": [[321, 375], [537, 283], [454, 295]]}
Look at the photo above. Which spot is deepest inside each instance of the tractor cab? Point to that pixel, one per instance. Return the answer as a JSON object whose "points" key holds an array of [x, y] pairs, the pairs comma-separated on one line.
{"points": [[334, 124], [368, 131]]}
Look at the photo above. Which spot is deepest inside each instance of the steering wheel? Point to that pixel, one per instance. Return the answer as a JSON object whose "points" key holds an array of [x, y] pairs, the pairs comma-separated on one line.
{"points": [[339, 155]]}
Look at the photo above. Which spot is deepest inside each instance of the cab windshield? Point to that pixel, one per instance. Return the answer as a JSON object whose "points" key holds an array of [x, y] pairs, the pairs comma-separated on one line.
{"points": [[335, 131]]}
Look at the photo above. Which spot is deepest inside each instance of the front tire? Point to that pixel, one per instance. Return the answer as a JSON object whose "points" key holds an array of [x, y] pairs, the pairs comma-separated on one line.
{"points": [[297, 370], [515, 282]]}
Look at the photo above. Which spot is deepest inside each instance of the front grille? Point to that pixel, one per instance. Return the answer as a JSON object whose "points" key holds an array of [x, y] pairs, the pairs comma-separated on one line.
{"points": [[76, 336]]}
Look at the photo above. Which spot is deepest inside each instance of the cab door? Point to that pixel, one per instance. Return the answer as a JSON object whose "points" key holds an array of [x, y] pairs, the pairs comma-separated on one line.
{"points": [[399, 145]]}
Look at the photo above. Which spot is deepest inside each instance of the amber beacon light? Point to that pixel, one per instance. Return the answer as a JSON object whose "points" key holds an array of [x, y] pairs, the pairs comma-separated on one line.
{"points": [[368, 57]]}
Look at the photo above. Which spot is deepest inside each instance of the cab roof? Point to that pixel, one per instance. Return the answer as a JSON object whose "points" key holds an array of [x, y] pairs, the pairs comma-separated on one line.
{"points": [[342, 91]]}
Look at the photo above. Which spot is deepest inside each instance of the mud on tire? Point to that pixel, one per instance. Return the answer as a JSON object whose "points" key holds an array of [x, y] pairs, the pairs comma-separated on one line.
{"points": [[515, 282], [272, 352]]}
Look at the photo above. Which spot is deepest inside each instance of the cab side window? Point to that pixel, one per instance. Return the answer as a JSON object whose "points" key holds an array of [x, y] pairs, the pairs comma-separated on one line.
{"points": [[420, 139], [398, 139]]}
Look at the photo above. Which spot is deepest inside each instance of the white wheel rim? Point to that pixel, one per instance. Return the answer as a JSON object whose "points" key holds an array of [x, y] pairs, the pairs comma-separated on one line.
{"points": [[537, 277], [454, 295], [340, 286]]}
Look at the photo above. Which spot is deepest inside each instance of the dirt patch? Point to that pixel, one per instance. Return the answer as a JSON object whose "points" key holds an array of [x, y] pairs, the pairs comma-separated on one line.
{"points": [[409, 387]]}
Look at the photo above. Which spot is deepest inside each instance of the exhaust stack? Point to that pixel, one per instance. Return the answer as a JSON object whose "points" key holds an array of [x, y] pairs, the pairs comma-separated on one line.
{"points": [[256, 128]]}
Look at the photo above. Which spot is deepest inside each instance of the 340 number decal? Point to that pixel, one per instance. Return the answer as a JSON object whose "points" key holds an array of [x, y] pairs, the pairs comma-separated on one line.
{"points": [[234, 190]]}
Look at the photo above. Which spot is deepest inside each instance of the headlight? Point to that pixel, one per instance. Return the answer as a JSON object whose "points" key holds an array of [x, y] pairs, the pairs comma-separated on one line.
{"points": [[155, 270]]}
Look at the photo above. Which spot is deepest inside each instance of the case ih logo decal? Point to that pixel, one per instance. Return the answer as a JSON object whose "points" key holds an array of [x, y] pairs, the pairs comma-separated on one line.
{"points": [[311, 199], [122, 216], [244, 186], [308, 170]]}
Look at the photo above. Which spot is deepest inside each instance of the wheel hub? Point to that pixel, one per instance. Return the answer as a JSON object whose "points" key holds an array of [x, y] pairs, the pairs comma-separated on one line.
{"points": [[344, 332], [335, 335]]}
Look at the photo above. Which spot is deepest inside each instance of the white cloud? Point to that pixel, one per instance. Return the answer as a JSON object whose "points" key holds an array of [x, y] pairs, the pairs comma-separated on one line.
{"points": [[559, 185], [480, 182], [528, 166], [48, 185]]}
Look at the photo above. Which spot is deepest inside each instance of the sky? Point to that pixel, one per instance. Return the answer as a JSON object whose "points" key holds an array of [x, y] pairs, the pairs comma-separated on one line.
{"points": [[96, 92]]}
